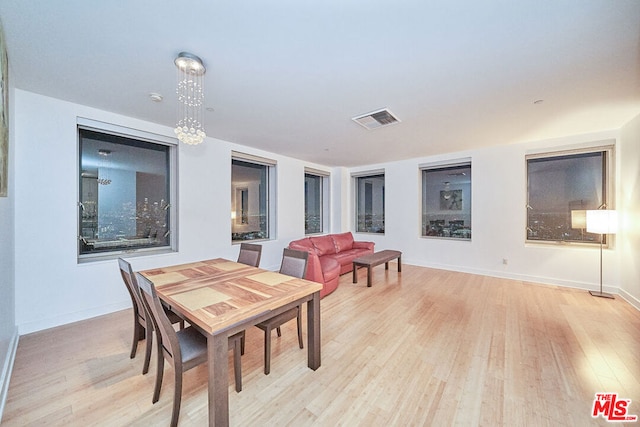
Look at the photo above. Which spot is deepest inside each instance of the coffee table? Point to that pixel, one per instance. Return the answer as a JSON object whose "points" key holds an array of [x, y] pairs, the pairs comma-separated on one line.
{"points": [[374, 259]]}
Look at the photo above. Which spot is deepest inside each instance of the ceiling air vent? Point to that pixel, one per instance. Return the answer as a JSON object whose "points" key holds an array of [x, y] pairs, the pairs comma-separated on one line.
{"points": [[376, 119]]}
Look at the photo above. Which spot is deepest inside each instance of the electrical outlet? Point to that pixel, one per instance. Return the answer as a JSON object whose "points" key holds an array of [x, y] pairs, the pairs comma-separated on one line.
{"points": [[505, 261]]}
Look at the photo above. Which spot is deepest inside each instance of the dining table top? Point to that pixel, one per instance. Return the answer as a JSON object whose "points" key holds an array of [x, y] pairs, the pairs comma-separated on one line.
{"points": [[219, 293]]}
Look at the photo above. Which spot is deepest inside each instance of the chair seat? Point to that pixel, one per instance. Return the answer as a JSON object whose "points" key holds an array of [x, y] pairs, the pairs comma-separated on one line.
{"points": [[279, 320], [193, 345]]}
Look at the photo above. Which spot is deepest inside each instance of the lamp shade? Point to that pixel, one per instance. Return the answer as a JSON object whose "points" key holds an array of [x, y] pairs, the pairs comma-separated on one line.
{"points": [[602, 221], [579, 219]]}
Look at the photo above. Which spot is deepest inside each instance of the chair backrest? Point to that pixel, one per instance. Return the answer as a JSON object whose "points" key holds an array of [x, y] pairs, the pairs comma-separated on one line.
{"points": [[132, 286], [294, 263], [169, 339], [250, 254]]}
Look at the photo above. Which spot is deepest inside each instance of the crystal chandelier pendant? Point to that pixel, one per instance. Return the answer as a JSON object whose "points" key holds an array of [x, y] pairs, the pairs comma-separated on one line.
{"points": [[190, 92]]}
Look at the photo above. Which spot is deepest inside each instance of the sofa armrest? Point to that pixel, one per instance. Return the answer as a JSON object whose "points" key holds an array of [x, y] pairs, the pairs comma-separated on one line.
{"points": [[314, 270], [363, 245]]}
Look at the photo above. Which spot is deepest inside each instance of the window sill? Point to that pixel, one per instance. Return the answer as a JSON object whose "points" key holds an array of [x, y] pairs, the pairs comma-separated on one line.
{"points": [[89, 258]]}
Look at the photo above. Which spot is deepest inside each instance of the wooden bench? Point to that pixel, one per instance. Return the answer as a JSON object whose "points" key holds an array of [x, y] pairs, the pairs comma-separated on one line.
{"points": [[374, 259]]}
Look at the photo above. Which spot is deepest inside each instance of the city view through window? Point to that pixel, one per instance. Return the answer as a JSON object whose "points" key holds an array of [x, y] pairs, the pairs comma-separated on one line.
{"points": [[559, 186]]}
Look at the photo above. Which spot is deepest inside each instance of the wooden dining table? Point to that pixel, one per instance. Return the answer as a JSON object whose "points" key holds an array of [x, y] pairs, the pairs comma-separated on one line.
{"points": [[220, 298]]}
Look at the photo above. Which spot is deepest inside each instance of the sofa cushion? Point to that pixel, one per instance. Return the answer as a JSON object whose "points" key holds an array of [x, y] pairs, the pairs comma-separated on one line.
{"points": [[324, 245], [347, 257], [343, 241]]}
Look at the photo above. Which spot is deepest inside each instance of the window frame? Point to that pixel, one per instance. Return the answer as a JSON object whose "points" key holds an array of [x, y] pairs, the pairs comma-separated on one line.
{"points": [[324, 200], [442, 167], [136, 135], [356, 179], [608, 187], [270, 195]]}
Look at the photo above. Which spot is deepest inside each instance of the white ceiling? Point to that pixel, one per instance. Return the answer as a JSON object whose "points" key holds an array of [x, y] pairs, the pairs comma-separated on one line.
{"points": [[286, 76]]}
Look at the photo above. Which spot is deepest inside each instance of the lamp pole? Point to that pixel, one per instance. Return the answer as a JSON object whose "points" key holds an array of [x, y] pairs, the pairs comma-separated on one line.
{"points": [[600, 293]]}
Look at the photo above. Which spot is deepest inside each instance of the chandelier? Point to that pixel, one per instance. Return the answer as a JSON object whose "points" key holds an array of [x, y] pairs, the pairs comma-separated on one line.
{"points": [[190, 98]]}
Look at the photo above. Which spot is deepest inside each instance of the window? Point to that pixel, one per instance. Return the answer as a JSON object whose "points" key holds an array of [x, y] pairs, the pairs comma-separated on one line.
{"points": [[251, 181], [125, 193], [370, 204], [316, 187], [446, 201], [560, 184]]}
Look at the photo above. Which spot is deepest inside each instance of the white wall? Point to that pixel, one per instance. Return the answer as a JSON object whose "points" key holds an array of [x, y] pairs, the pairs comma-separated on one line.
{"points": [[630, 205], [51, 288], [499, 219], [8, 329]]}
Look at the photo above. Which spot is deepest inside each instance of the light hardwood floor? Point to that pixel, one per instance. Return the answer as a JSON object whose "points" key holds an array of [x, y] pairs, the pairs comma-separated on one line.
{"points": [[426, 347]]}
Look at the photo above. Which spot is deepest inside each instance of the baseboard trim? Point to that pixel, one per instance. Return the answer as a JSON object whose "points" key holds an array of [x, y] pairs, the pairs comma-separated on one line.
{"points": [[7, 368], [635, 302], [42, 324], [533, 279]]}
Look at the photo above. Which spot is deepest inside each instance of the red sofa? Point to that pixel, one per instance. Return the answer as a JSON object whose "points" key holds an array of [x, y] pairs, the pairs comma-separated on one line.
{"points": [[330, 256]]}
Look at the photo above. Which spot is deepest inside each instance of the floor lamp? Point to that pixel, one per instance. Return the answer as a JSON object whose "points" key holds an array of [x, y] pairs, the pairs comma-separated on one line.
{"points": [[603, 222]]}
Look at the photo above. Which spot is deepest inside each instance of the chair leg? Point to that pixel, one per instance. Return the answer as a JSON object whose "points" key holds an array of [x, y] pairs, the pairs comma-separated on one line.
{"points": [[147, 354], [177, 395], [300, 327], [138, 334], [237, 362], [159, 372], [267, 351]]}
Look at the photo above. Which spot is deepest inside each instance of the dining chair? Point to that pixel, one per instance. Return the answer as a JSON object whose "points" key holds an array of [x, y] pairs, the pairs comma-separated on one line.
{"points": [[250, 254], [185, 349], [294, 263], [142, 325]]}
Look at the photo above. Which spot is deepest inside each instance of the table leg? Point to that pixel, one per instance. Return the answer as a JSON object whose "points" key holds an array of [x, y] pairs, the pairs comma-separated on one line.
{"points": [[217, 348], [369, 275], [313, 332], [355, 273], [399, 264]]}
